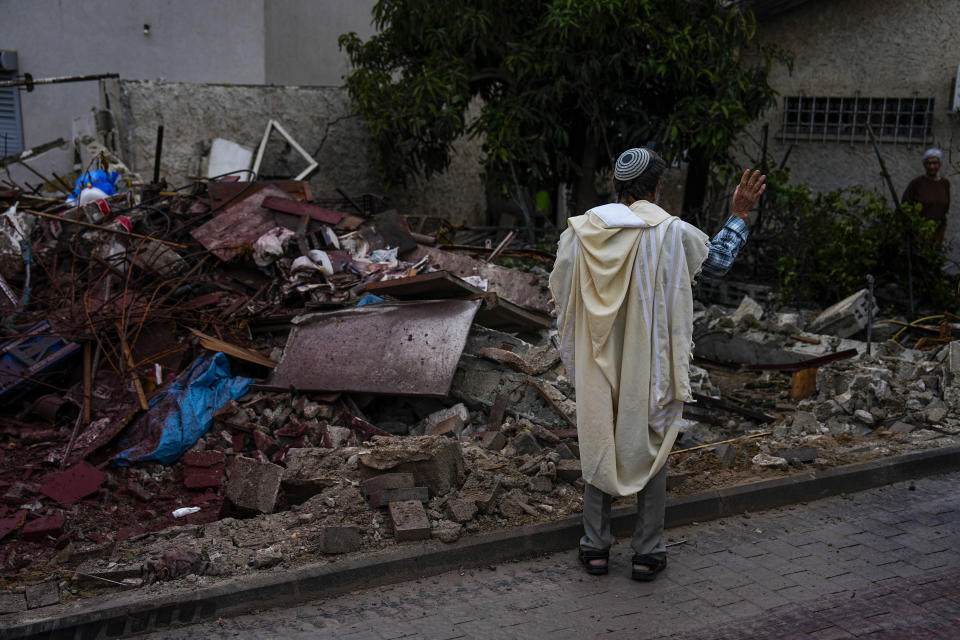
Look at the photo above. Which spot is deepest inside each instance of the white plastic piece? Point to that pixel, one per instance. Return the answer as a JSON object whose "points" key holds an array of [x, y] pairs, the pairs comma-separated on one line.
{"points": [[184, 511]]}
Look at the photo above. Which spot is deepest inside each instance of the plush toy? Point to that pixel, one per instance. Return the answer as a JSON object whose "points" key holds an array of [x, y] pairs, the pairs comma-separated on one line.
{"points": [[93, 185]]}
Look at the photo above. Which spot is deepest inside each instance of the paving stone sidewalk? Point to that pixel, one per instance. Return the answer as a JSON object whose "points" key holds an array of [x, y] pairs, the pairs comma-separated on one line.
{"points": [[879, 564]]}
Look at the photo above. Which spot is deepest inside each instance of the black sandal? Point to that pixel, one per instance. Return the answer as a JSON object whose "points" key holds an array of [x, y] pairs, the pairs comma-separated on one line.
{"points": [[655, 564], [586, 555]]}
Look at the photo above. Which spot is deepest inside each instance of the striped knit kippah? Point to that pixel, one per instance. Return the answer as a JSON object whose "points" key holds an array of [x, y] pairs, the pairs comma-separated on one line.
{"points": [[631, 164]]}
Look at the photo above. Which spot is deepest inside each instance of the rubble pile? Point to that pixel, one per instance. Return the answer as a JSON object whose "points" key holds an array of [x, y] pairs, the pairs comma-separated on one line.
{"points": [[237, 376]]}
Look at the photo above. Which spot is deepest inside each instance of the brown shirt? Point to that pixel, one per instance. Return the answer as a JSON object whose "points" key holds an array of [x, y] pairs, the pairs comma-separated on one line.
{"points": [[932, 195]]}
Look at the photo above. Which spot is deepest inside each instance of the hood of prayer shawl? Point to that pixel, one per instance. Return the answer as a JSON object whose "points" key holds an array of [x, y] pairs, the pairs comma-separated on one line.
{"points": [[607, 237]]}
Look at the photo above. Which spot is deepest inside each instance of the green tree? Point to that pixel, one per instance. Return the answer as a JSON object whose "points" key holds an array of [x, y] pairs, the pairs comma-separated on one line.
{"points": [[564, 85]]}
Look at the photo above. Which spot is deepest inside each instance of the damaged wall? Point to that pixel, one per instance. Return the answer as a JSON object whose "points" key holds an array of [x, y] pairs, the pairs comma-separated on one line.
{"points": [[317, 117], [870, 48]]}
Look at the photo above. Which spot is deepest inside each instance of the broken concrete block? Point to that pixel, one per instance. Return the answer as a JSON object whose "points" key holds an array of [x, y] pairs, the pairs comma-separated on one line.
{"points": [[541, 484], [12, 603], [339, 539], [386, 496], [769, 462], [410, 521], [864, 416], [461, 509], [564, 452], [727, 453], [749, 311], [427, 425], [268, 557], [493, 441], [526, 444], [484, 488], [379, 483], [846, 317], [569, 470], [309, 471], [43, 594], [451, 427], [935, 415], [254, 485], [953, 358], [901, 427], [43, 529], [435, 462], [446, 531], [339, 436]]}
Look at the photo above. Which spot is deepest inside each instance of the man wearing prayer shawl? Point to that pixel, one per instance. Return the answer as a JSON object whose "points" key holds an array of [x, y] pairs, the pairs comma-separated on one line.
{"points": [[622, 285]]}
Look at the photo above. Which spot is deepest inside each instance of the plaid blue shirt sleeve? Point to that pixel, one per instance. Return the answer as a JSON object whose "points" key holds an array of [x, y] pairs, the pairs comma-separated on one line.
{"points": [[724, 248]]}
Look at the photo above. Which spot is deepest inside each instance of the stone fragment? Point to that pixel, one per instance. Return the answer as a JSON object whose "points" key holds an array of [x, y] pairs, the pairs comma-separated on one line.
{"points": [[43, 594], [846, 317], [427, 425], [493, 441], [526, 444], [902, 427], [435, 462], [806, 422], [446, 531], [339, 436], [203, 458], [43, 529], [541, 484], [953, 358], [569, 470], [564, 452], [802, 454], [379, 483], [409, 520], [484, 488], [451, 427], [254, 485], [386, 496], [769, 462], [935, 415], [749, 310], [339, 539], [309, 471], [461, 509], [12, 603], [726, 452], [864, 416], [264, 558]]}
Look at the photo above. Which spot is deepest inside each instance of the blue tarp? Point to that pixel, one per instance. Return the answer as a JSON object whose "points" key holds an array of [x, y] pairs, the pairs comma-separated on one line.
{"points": [[183, 413]]}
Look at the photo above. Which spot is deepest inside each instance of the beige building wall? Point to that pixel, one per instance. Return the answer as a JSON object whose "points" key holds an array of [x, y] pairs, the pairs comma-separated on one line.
{"points": [[877, 48]]}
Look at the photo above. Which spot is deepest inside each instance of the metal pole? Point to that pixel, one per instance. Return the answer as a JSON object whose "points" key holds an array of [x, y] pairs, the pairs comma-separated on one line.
{"points": [[29, 81], [896, 203], [869, 312], [156, 156]]}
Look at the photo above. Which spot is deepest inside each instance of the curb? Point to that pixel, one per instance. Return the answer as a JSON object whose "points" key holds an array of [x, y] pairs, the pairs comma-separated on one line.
{"points": [[135, 612]]}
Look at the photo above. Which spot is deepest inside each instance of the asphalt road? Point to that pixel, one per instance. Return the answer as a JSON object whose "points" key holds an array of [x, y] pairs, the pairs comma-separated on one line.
{"points": [[882, 563]]}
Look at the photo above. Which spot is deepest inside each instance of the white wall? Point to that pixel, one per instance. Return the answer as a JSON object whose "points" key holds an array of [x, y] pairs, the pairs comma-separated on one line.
{"points": [[301, 39], [283, 42]]}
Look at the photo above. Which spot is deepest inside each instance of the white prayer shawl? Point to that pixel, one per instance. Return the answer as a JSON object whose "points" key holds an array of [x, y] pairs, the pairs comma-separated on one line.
{"points": [[622, 285]]}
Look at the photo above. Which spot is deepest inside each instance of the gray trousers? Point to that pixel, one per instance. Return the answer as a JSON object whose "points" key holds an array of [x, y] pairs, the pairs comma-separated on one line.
{"points": [[648, 534]]}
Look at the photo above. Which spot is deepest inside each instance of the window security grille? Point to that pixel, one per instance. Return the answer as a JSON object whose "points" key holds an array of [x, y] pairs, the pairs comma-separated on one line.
{"points": [[828, 119]]}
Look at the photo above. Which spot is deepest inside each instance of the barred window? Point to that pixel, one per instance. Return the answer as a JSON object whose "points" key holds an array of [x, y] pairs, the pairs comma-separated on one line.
{"points": [[844, 119]]}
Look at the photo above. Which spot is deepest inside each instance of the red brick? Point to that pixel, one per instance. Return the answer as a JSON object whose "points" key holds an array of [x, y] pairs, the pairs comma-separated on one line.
{"points": [[203, 458], [263, 442], [383, 481], [410, 520], [202, 478], [41, 528], [238, 441], [71, 485]]}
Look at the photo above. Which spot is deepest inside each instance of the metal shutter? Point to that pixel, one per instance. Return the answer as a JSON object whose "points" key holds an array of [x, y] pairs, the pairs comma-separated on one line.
{"points": [[11, 127]]}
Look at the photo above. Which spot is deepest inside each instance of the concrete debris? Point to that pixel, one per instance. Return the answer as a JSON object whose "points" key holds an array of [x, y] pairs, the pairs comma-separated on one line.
{"points": [[387, 400]]}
